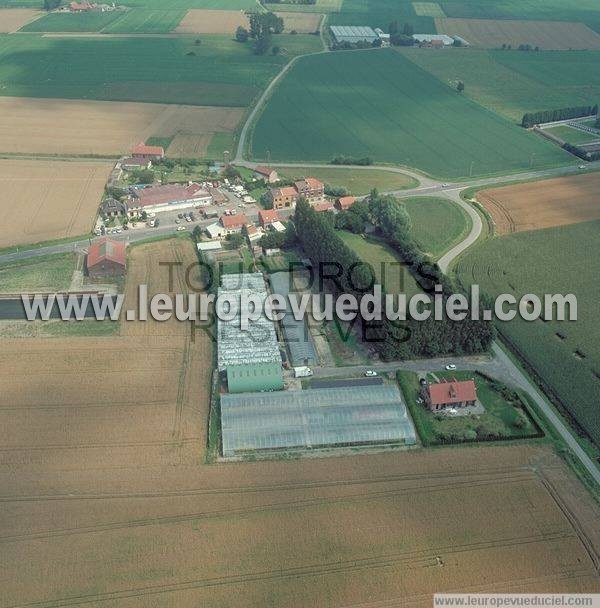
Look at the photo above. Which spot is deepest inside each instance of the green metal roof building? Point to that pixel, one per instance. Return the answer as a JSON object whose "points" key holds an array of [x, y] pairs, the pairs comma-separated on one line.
{"points": [[252, 377]]}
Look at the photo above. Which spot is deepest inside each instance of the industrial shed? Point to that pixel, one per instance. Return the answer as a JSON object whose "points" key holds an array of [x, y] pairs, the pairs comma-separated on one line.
{"points": [[353, 33], [298, 338], [251, 357], [366, 415]]}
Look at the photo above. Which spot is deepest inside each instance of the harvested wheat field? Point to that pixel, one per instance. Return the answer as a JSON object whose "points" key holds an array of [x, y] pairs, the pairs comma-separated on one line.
{"points": [[13, 19], [46, 200], [106, 128], [204, 21], [186, 145], [103, 477], [543, 204], [548, 35], [303, 23]]}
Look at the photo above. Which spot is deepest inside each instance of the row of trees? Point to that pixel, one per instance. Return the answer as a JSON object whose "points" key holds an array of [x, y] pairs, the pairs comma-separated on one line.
{"points": [[364, 161], [581, 152], [533, 118], [393, 340]]}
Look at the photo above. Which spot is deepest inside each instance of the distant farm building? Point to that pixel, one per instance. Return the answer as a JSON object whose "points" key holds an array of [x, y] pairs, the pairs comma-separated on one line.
{"points": [[433, 40], [133, 164], [169, 196], [439, 395], [144, 151], [269, 175], [382, 35], [106, 258], [80, 7], [249, 358], [286, 197], [353, 33]]}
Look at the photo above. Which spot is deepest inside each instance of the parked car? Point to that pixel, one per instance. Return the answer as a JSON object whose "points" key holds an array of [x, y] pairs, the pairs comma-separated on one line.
{"points": [[180, 216], [370, 373], [450, 367], [156, 222], [180, 228], [178, 221]]}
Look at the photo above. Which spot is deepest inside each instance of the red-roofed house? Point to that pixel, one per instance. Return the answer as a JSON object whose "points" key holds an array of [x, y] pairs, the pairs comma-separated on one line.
{"points": [[344, 202], [234, 223], [267, 217], [106, 258], [324, 206], [144, 151], [266, 173], [79, 7], [451, 393], [169, 196]]}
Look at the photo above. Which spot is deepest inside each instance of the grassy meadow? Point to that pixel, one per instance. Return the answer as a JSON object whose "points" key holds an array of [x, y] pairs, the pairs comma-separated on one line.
{"points": [[49, 272], [437, 223], [511, 83], [380, 104], [565, 354], [219, 71]]}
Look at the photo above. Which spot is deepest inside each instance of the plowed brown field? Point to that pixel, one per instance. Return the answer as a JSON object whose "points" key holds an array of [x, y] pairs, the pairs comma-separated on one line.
{"points": [[45, 200], [543, 204], [106, 128], [105, 500], [13, 19]]}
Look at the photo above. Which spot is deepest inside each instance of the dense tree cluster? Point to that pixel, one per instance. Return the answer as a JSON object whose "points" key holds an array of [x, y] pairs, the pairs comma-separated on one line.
{"points": [[393, 340], [535, 118], [279, 240], [581, 152]]}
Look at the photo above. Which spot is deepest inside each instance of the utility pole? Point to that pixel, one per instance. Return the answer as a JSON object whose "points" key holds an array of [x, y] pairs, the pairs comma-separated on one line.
{"points": [[471, 169], [268, 156], [531, 160]]}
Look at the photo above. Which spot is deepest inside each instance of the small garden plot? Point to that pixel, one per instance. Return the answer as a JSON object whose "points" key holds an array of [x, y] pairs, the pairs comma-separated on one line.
{"points": [[505, 413]]}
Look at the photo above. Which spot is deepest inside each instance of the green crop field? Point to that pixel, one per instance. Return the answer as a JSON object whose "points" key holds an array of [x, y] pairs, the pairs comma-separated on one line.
{"points": [[226, 5], [437, 223], [320, 6], [565, 354], [514, 82], [586, 11], [218, 72], [356, 181], [66, 22], [387, 266], [49, 272], [380, 13], [573, 136], [380, 104]]}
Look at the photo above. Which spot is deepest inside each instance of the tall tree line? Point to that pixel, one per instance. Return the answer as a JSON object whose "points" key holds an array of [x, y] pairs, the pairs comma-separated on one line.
{"points": [[535, 118]]}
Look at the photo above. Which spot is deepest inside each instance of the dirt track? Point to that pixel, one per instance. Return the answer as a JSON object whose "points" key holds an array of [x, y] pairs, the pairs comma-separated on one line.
{"points": [[44, 200], [102, 478], [543, 204]]}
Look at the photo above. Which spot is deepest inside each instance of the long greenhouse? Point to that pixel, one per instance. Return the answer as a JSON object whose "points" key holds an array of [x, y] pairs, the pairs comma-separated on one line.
{"points": [[364, 415]]}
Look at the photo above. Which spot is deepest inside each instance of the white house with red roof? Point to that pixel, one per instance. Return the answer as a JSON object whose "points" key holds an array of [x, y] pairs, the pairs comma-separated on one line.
{"points": [[267, 217], [234, 223], [449, 393]]}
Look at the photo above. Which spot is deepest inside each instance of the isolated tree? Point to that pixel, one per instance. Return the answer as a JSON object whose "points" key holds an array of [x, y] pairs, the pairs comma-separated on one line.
{"points": [[242, 34], [460, 87], [262, 44], [275, 50]]}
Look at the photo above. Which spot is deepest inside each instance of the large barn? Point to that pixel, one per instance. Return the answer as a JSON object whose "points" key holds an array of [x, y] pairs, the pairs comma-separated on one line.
{"points": [[106, 258]]}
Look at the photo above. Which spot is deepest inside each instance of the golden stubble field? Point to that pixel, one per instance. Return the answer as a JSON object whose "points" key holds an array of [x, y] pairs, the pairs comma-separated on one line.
{"points": [[13, 19], [548, 35], [104, 128], [106, 500], [207, 21], [45, 200], [543, 204]]}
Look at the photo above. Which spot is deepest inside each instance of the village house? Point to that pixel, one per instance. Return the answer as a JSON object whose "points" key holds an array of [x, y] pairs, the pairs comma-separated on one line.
{"points": [[267, 217], [106, 258], [81, 7], [285, 197], [111, 207], [324, 206], [167, 197], [453, 393], [269, 175], [150, 152], [234, 223], [344, 202], [215, 231]]}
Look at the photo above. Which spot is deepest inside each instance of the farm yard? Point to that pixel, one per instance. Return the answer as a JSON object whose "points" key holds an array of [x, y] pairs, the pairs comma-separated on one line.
{"points": [[512, 83], [548, 35], [303, 23], [346, 103], [561, 260], [72, 127], [543, 204], [44, 200], [13, 19], [212, 22]]}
